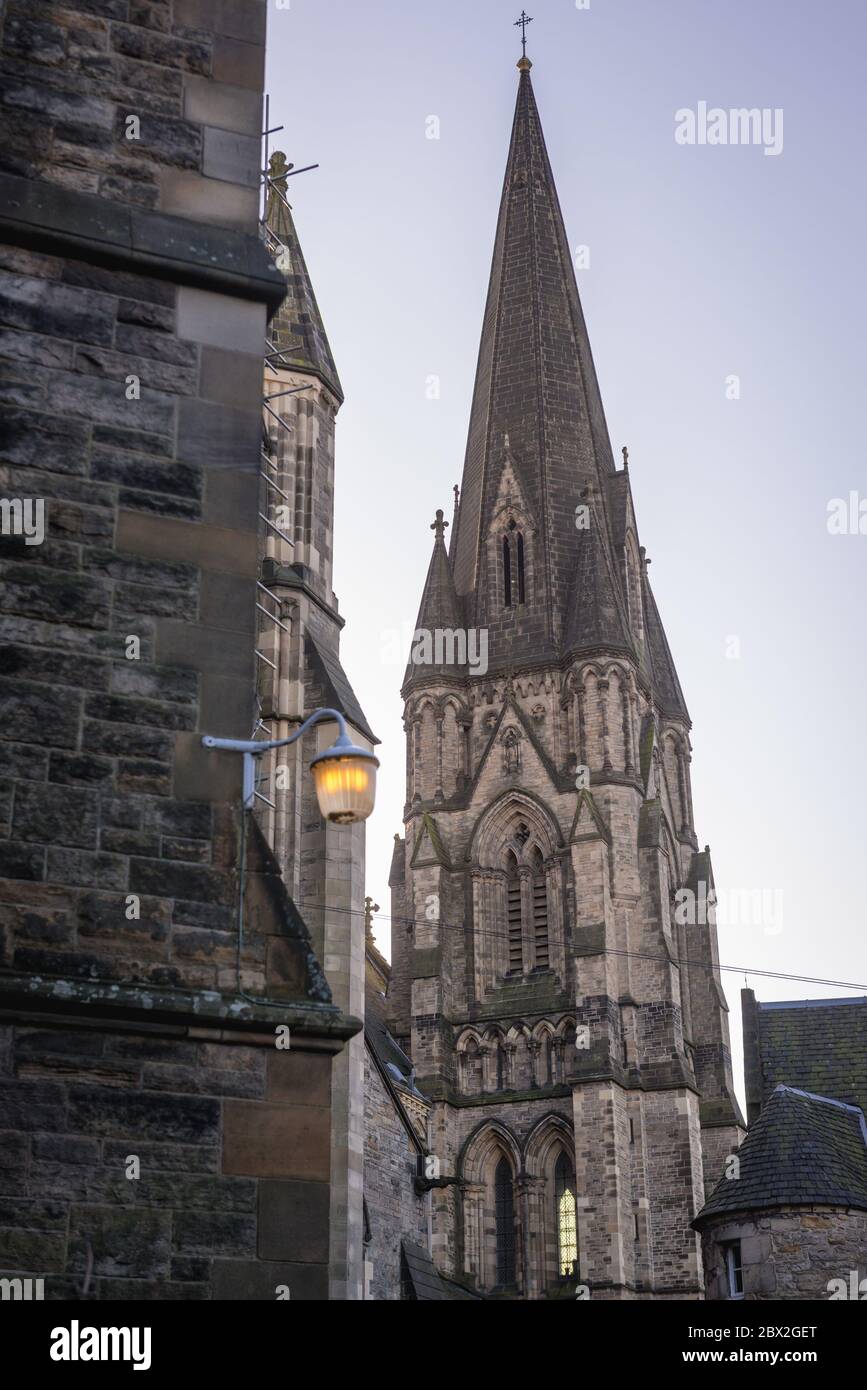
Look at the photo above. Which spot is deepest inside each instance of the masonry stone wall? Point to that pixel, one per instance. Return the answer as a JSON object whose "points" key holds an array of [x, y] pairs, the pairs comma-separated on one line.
{"points": [[395, 1211], [190, 73], [790, 1253], [143, 986]]}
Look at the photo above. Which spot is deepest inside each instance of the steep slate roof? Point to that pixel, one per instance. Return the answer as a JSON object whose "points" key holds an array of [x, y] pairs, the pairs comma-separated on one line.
{"points": [[665, 682], [595, 615], [339, 692], [298, 320], [423, 1283], [818, 1045], [802, 1150], [535, 380], [440, 608]]}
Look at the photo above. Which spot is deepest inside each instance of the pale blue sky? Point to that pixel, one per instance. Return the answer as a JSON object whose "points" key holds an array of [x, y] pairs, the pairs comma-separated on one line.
{"points": [[704, 262]]}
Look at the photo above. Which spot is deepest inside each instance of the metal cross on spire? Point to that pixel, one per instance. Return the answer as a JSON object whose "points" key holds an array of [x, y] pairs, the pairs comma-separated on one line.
{"points": [[522, 23]]}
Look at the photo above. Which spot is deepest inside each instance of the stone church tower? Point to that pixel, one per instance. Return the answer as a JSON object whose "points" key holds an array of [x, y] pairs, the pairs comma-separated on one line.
{"points": [[570, 1033], [299, 670]]}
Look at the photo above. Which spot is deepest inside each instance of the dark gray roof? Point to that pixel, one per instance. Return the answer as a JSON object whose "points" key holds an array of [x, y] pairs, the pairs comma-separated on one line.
{"points": [[389, 1052], [297, 326], [595, 615], [439, 610], [817, 1045], [339, 692], [423, 1283], [666, 686], [535, 378], [803, 1150]]}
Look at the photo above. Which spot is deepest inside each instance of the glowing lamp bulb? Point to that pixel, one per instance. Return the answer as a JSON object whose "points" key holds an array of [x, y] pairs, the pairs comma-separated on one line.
{"points": [[345, 781]]}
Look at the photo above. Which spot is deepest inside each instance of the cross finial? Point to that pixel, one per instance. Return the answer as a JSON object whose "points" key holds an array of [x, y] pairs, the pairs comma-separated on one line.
{"points": [[440, 525], [522, 24]]}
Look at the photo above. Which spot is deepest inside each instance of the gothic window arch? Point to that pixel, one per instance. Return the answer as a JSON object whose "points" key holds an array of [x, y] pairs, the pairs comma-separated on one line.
{"points": [[565, 1216], [514, 550], [521, 582], [518, 891], [553, 1197], [504, 1223], [492, 1217]]}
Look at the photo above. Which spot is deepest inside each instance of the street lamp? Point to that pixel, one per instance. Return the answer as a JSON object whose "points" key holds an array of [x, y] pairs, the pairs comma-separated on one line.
{"points": [[344, 775]]}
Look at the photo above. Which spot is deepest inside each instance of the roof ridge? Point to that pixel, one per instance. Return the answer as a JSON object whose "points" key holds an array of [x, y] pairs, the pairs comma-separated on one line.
{"points": [[826, 1100]]}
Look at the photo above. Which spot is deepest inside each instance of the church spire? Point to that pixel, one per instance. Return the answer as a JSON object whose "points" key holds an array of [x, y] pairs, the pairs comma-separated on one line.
{"points": [[297, 328], [535, 381], [440, 612]]}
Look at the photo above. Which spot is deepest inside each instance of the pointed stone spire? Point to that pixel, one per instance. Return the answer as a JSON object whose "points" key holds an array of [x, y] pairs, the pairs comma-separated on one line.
{"points": [[535, 380], [666, 685], [440, 612], [595, 614], [297, 326]]}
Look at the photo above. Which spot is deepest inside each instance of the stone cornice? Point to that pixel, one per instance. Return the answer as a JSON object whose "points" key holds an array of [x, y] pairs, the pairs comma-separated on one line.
{"points": [[64, 222], [200, 1013]]}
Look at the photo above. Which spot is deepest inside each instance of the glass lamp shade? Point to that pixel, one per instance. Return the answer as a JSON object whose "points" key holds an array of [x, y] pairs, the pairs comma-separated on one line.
{"points": [[345, 781]]}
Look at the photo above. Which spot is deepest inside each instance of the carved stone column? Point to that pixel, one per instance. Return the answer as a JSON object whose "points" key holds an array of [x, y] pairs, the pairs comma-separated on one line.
{"points": [[628, 743], [583, 750], [474, 1231], [440, 721], [532, 1196]]}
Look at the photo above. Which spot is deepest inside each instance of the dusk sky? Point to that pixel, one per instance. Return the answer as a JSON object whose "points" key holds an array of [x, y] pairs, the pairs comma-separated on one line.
{"points": [[706, 263]]}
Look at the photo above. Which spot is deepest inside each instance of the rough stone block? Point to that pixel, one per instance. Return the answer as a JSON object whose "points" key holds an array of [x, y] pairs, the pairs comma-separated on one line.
{"points": [[293, 1222], [279, 1141]]}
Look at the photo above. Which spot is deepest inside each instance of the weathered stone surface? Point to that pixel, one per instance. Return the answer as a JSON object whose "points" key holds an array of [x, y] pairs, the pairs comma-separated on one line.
{"points": [[100, 741], [131, 1243], [60, 311], [103, 1111]]}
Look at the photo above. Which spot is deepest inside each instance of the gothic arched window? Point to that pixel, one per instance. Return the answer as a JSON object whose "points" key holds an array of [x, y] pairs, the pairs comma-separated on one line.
{"points": [[514, 581], [520, 568], [540, 910], [504, 1214], [565, 1217]]}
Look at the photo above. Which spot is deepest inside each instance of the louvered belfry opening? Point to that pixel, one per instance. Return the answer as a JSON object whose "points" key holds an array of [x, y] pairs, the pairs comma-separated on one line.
{"points": [[515, 922], [540, 911], [504, 1213]]}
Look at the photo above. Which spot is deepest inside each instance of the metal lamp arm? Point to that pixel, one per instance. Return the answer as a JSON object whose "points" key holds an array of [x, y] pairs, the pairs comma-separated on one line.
{"points": [[253, 749]]}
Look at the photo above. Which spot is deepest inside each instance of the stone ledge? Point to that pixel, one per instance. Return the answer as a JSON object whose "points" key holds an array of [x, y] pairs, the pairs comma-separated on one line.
{"points": [[44, 216], [204, 1014]]}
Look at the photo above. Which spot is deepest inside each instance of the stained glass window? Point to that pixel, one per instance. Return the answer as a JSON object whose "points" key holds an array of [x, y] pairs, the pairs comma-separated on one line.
{"points": [[567, 1231]]}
